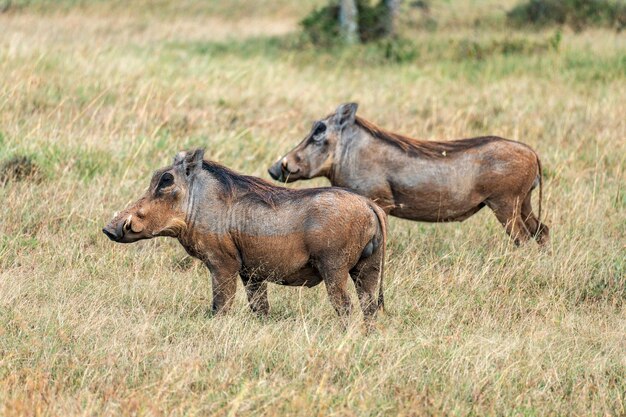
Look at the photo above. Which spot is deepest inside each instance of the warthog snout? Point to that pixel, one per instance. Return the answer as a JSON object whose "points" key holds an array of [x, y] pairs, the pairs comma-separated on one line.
{"points": [[284, 170], [113, 233], [118, 229], [125, 228], [276, 171]]}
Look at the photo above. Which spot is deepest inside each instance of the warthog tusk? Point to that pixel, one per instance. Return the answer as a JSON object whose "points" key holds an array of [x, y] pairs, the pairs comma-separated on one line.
{"points": [[127, 222]]}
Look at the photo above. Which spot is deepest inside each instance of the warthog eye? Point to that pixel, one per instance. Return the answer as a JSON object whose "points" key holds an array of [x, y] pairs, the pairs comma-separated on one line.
{"points": [[166, 180], [319, 128]]}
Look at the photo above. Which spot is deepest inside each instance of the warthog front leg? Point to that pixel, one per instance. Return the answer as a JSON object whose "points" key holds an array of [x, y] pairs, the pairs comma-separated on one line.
{"points": [[224, 280], [257, 295]]}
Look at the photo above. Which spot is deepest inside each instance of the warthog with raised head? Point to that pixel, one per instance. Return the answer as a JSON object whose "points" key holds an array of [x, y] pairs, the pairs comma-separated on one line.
{"points": [[422, 180], [242, 225]]}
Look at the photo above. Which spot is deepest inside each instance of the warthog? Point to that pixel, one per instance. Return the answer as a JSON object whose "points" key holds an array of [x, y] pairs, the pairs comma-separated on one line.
{"points": [[242, 225], [422, 180]]}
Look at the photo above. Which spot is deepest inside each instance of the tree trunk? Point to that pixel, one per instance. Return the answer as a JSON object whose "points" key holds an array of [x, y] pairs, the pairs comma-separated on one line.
{"points": [[348, 21], [391, 13]]}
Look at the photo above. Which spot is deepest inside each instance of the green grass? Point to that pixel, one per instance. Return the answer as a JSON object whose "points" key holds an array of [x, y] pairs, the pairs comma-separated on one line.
{"points": [[100, 95]]}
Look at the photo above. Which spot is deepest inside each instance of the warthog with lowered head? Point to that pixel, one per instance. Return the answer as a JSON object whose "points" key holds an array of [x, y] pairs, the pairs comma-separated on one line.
{"points": [[422, 180], [244, 226]]}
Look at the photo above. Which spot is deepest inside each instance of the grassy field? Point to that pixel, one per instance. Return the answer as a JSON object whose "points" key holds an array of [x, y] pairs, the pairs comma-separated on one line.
{"points": [[100, 94]]}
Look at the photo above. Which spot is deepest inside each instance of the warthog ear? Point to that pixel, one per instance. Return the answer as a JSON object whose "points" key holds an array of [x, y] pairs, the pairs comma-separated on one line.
{"points": [[197, 156], [180, 157], [345, 114], [190, 161]]}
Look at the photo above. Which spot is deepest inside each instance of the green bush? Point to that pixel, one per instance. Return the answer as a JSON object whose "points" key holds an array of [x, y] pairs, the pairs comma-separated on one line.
{"points": [[19, 168], [321, 26], [470, 49], [576, 13], [400, 51]]}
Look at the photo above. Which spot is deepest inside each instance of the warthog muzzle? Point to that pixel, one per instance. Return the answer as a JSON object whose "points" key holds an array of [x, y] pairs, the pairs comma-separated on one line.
{"points": [[119, 230], [114, 233], [276, 172]]}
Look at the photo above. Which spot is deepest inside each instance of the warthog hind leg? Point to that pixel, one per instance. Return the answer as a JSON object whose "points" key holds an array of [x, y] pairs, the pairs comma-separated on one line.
{"points": [[336, 281], [366, 277], [508, 212], [539, 231]]}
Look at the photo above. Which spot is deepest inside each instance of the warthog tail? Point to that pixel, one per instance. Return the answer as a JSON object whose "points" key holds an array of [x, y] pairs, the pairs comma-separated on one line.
{"points": [[382, 222], [540, 188], [540, 170]]}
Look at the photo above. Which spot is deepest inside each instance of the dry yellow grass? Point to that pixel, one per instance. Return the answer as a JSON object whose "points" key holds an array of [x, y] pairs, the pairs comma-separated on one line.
{"points": [[100, 96]]}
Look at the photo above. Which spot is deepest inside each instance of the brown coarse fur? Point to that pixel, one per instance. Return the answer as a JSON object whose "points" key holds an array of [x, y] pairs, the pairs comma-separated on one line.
{"points": [[438, 149], [244, 226], [431, 181], [234, 185], [433, 149]]}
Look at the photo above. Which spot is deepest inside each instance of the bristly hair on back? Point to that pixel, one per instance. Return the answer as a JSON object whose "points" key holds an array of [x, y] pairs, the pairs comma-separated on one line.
{"points": [[239, 185], [417, 147]]}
